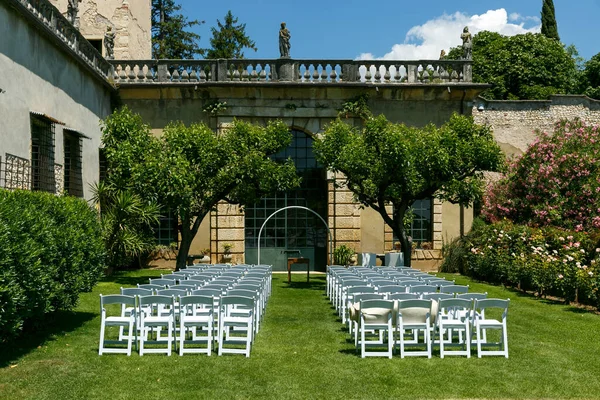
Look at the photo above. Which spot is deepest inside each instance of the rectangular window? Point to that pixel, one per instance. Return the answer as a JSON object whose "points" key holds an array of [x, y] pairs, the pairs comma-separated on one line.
{"points": [[42, 154], [420, 229], [166, 232], [102, 159], [421, 226], [73, 142]]}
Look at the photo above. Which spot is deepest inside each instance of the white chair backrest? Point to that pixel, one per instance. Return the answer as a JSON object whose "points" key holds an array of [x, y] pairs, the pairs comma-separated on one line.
{"points": [[368, 259], [394, 259]]}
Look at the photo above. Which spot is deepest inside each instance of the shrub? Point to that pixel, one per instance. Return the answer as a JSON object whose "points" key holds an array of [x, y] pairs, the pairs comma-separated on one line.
{"points": [[50, 251], [548, 260], [342, 255], [554, 183]]}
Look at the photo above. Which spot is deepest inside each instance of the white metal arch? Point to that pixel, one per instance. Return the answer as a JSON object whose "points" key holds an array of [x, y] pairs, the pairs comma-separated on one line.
{"points": [[302, 208]]}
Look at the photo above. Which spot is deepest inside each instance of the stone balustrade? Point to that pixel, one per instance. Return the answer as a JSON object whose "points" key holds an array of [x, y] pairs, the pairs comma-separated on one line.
{"points": [[379, 72], [49, 19]]}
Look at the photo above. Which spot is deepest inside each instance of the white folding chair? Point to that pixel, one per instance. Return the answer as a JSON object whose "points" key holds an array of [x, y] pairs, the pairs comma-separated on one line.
{"points": [[117, 320], [230, 317], [376, 315], [415, 316], [448, 322], [196, 315], [482, 322], [156, 312]]}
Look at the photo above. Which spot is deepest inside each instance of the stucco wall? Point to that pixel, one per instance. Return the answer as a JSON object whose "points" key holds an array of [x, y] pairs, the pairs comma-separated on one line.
{"points": [[38, 77], [130, 20]]}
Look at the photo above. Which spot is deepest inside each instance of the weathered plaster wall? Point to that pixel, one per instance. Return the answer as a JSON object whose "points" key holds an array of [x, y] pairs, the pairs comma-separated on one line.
{"points": [[130, 20], [39, 77], [514, 122]]}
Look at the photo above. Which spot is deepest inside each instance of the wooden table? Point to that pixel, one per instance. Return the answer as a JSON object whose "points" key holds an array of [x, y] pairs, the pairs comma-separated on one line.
{"points": [[298, 260]]}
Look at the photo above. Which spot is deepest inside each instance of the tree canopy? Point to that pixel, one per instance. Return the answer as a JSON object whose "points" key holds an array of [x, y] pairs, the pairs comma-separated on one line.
{"points": [[549, 26], [171, 37], [520, 67], [387, 163], [189, 169], [591, 77], [229, 40]]}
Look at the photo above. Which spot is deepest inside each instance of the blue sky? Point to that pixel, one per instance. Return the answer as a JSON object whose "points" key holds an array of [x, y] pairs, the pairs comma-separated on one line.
{"points": [[353, 29]]}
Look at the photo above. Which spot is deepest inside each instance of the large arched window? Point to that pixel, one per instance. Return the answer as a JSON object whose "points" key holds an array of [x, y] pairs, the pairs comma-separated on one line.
{"points": [[292, 232]]}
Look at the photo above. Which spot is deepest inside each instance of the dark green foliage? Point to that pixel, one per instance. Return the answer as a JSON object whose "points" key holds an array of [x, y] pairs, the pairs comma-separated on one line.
{"points": [[171, 38], [549, 26], [342, 255], [521, 67], [127, 217], [591, 77], [229, 40], [50, 251]]}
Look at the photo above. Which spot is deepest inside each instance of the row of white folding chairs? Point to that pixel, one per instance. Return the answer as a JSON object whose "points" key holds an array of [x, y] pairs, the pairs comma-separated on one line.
{"points": [[420, 291], [409, 324], [192, 316], [342, 281], [248, 283], [220, 286]]}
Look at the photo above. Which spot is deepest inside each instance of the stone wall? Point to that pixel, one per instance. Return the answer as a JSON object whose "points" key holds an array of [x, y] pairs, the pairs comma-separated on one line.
{"points": [[514, 122], [129, 19]]}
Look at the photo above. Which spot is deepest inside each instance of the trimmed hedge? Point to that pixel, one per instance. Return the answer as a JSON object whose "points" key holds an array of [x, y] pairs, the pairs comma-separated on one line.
{"points": [[547, 260], [50, 251]]}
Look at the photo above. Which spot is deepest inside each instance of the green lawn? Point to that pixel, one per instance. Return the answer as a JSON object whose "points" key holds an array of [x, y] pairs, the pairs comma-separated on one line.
{"points": [[303, 352]]}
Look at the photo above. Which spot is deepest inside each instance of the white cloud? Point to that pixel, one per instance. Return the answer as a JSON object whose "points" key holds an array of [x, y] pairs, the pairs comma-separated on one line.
{"points": [[424, 42]]}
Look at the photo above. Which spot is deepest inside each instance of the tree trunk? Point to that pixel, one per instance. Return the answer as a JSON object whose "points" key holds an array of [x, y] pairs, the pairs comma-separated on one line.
{"points": [[188, 233], [400, 232]]}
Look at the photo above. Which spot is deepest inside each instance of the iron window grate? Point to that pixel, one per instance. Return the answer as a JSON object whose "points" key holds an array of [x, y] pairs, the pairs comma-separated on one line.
{"points": [[42, 154]]}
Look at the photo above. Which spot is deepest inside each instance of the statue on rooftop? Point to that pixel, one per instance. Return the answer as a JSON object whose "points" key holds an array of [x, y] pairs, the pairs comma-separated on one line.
{"points": [[443, 54], [109, 43], [284, 41], [72, 11], [467, 44]]}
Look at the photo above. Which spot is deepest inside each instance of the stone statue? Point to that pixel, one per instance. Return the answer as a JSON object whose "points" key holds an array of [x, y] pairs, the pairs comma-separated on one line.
{"points": [[72, 11], [109, 43], [467, 45], [443, 54], [284, 41]]}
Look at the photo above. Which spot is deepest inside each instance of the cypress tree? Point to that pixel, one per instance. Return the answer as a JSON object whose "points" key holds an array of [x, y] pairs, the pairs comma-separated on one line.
{"points": [[549, 26], [171, 37]]}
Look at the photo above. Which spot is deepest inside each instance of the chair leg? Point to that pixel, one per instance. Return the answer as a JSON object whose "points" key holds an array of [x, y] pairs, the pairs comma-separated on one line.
{"points": [[478, 333], [130, 336], [101, 347], [505, 340]]}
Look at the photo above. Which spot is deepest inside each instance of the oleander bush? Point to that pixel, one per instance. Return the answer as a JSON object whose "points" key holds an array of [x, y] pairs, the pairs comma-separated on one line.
{"points": [[543, 220], [51, 250], [556, 182]]}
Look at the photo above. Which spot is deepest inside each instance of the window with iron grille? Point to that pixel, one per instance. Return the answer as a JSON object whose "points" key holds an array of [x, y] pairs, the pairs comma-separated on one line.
{"points": [[421, 225], [102, 159], [42, 154], [73, 143], [166, 231]]}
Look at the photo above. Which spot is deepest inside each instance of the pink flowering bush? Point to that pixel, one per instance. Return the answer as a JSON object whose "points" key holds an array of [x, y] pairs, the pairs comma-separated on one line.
{"points": [[555, 183]]}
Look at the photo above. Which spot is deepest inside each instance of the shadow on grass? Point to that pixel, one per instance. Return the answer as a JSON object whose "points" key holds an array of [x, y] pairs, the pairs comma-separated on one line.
{"points": [[121, 278], [55, 324], [314, 284]]}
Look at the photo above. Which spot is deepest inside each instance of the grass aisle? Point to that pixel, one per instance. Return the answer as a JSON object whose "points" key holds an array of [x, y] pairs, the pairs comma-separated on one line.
{"points": [[302, 352]]}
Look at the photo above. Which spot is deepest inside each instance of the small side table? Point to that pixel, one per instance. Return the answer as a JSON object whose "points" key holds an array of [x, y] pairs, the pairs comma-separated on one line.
{"points": [[298, 260]]}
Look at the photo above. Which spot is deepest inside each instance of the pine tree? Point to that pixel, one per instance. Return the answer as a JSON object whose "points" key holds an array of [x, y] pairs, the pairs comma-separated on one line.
{"points": [[549, 26], [229, 40], [170, 37]]}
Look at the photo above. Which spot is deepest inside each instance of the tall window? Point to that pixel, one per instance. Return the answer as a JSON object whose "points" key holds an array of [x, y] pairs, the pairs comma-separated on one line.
{"points": [[73, 172], [166, 231], [420, 229], [42, 154]]}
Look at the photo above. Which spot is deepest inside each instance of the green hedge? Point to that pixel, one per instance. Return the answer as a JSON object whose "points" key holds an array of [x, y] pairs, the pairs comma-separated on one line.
{"points": [[547, 260], [50, 251]]}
